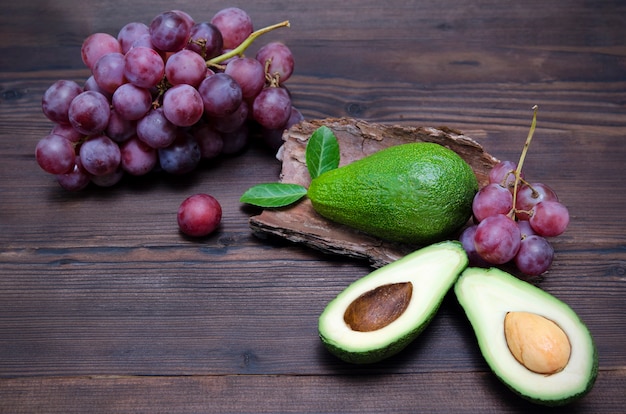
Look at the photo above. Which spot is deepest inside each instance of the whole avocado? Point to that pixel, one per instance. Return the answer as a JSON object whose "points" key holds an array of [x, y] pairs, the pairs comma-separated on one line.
{"points": [[412, 193]]}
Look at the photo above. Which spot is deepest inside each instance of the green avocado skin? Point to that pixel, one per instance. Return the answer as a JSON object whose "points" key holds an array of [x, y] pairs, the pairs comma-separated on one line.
{"points": [[432, 269], [537, 296], [412, 193], [377, 355]]}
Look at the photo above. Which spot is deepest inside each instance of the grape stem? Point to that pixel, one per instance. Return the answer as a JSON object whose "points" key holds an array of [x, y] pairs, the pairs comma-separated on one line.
{"points": [[245, 44], [522, 157]]}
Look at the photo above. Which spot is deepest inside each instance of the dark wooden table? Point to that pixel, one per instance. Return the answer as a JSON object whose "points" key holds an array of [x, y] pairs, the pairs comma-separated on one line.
{"points": [[105, 307]]}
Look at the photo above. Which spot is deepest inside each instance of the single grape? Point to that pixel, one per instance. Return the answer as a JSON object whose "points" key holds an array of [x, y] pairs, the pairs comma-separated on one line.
{"points": [[120, 129], [182, 105], [99, 155], [490, 200], [97, 45], [497, 239], [169, 31], [76, 179], [55, 154], [529, 195], [209, 140], [249, 74], [137, 157], [68, 132], [185, 67], [143, 67], [129, 34], [236, 141], [109, 72], [56, 100], [549, 218], [131, 102], [280, 58], [535, 255], [503, 173], [206, 40], [231, 122], [221, 95], [467, 240], [199, 215], [89, 113], [182, 156], [272, 108], [156, 130], [234, 24]]}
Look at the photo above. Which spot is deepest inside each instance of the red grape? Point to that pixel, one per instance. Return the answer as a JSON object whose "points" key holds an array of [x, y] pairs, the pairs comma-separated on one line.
{"points": [[169, 31], [182, 105], [503, 173], [182, 156], [97, 45], [491, 200], [109, 72], [55, 154], [535, 255], [234, 24], [185, 67], [206, 40], [249, 74], [143, 67], [199, 215], [497, 239], [272, 108], [130, 33], [99, 155], [549, 218], [57, 99], [221, 95], [280, 58], [529, 195], [89, 113], [137, 158], [131, 101]]}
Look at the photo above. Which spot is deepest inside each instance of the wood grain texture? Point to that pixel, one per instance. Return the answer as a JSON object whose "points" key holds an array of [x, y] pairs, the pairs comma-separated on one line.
{"points": [[106, 307]]}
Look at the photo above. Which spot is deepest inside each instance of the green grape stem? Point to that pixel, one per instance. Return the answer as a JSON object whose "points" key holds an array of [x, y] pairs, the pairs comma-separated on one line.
{"points": [[245, 44], [522, 157]]}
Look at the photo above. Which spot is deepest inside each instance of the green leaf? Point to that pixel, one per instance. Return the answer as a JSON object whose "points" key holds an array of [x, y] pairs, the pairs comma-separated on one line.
{"points": [[322, 152], [273, 194]]}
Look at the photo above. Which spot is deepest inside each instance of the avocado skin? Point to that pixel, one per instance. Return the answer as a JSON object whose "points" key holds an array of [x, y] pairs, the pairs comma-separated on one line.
{"points": [[414, 193], [377, 355], [541, 296], [450, 259]]}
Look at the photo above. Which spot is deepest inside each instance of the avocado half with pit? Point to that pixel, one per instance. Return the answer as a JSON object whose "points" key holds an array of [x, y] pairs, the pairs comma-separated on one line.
{"points": [[380, 314], [533, 342]]}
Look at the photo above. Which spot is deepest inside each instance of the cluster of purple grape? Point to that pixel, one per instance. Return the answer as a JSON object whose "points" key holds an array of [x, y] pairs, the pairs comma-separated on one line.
{"points": [[514, 222], [164, 96]]}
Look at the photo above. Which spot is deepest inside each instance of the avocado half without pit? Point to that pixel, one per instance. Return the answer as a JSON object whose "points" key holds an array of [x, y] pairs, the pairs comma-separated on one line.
{"points": [[534, 343], [380, 314]]}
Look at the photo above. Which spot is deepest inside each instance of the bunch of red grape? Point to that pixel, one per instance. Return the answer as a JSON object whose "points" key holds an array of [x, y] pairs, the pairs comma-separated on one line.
{"points": [[514, 222], [164, 96]]}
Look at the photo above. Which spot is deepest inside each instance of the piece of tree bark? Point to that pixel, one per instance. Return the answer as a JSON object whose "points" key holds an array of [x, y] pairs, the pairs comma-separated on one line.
{"points": [[301, 224]]}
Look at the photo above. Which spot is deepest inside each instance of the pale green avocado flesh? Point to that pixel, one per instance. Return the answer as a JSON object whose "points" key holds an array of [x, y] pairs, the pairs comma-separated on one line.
{"points": [[487, 295], [431, 271], [416, 193]]}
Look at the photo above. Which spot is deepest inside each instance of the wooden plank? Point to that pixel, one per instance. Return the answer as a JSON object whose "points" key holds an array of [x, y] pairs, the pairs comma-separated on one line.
{"points": [[449, 392]]}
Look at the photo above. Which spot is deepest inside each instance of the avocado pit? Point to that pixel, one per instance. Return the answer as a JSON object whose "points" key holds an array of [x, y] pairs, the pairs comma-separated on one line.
{"points": [[536, 342], [378, 307]]}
